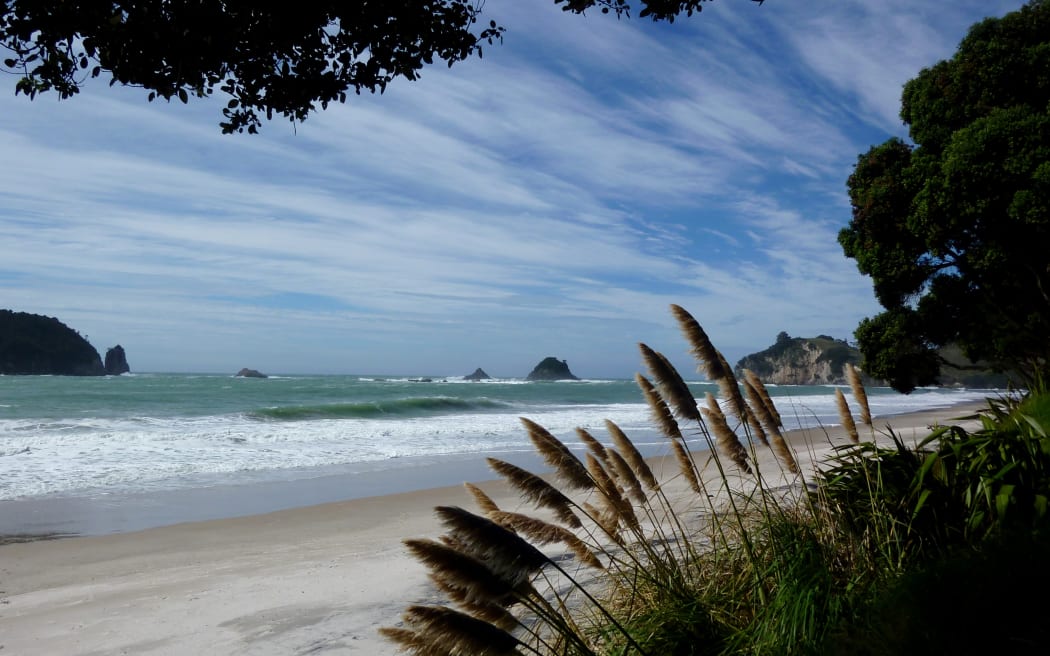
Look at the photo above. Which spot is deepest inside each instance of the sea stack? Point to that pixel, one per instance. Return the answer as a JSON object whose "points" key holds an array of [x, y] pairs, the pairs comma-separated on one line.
{"points": [[116, 361], [551, 369], [479, 374], [250, 373]]}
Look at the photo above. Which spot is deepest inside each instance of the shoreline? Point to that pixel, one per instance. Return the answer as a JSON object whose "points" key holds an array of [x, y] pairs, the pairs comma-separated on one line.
{"points": [[321, 578]]}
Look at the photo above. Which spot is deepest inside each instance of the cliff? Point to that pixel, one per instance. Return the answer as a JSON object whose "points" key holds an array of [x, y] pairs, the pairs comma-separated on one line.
{"points": [[821, 361], [818, 360], [551, 369], [35, 344]]}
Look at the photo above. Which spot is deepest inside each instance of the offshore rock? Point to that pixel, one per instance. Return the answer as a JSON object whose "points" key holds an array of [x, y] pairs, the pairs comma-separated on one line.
{"points": [[479, 374], [33, 344], [551, 369], [116, 361], [251, 373]]}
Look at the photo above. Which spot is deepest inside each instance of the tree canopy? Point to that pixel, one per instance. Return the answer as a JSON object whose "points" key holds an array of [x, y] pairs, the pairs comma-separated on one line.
{"points": [[269, 58], [955, 229]]}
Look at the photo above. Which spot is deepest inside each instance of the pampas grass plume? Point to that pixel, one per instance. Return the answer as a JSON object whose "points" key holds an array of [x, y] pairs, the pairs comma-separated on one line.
{"points": [[662, 414], [557, 455], [592, 444], [632, 456], [727, 441], [778, 443], [846, 416], [701, 347], [546, 533], [672, 388], [537, 490], [446, 631], [763, 393], [859, 393], [685, 463]]}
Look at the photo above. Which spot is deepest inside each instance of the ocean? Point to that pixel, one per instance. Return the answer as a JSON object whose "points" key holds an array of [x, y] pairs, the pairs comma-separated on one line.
{"points": [[67, 443]]}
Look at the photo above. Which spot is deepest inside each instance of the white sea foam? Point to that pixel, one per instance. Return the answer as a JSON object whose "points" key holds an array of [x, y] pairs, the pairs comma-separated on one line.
{"points": [[80, 455], [66, 456]]}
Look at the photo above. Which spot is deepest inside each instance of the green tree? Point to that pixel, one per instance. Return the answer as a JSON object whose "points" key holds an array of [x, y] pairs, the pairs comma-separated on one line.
{"points": [[955, 230], [269, 58]]}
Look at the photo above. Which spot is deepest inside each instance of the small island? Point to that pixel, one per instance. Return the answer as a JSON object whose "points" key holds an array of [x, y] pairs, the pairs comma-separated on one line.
{"points": [[250, 373], [116, 361], [551, 369], [479, 374]]}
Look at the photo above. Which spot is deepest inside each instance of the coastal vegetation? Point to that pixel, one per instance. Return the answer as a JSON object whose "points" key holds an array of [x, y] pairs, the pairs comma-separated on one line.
{"points": [[885, 548], [953, 228]]}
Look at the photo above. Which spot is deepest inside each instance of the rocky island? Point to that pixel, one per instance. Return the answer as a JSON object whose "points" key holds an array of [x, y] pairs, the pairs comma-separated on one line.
{"points": [[551, 369], [479, 374], [116, 361], [250, 373], [34, 344]]}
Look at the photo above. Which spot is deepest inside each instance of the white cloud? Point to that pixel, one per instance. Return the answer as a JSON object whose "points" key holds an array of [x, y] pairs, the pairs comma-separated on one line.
{"points": [[551, 199]]}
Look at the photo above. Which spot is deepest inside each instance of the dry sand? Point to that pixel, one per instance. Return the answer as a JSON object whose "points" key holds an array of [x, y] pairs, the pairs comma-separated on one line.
{"points": [[315, 580]]}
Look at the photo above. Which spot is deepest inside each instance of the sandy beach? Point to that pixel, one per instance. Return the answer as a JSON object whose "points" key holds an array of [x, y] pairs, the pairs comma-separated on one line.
{"points": [[314, 580]]}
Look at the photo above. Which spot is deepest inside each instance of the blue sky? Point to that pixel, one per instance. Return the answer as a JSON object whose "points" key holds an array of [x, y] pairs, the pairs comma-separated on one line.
{"points": [[552, 198]]}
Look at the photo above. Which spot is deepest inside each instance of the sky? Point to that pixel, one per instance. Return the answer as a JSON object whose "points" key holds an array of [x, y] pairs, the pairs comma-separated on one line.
{"points": [[550, 199]]}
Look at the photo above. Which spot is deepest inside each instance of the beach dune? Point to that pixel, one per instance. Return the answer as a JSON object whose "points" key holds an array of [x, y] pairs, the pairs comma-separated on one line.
{"points": [[314, 580]]}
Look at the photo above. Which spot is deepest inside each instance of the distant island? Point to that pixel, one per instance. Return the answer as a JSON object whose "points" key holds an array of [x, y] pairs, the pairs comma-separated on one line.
{"points": [[479, 374], [551, 369], [33, 344], [821, 360]]}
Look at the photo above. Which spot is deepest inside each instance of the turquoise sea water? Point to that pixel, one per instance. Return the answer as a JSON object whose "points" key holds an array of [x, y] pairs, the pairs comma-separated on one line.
{"points": [[86, 437]]}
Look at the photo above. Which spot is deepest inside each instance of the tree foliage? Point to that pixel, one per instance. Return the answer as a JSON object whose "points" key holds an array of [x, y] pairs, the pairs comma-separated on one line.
{"points": [[954, 231], [269, 58]]}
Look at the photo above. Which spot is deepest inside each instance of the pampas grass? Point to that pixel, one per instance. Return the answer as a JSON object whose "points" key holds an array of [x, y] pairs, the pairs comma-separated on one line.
{"points": [[439, 631], [592, 444], [730, 389], [630, 453], [535, 489], [710, 364], [557, 455], [484, 501], [687, 467], [672, 388], [859, 393], [763, 393], [770, 423], [703, 561], [846, 417], [543, 532], [661, 414], [728, 442]]}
